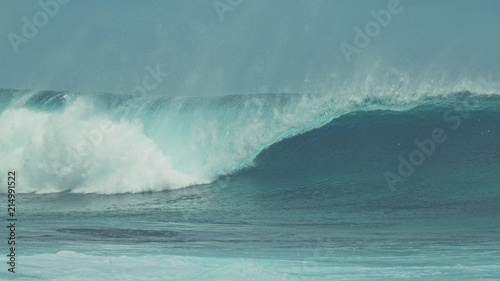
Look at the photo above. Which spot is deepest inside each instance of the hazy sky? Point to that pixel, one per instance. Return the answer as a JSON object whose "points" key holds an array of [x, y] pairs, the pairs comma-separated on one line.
{"points": [[257, 46]]}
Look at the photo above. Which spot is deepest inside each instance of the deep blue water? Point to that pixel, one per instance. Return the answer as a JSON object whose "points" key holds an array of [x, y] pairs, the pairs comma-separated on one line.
{"points": [[262, 187]]}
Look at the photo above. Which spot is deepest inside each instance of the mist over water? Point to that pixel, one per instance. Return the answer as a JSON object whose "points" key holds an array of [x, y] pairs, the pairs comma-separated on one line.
{"points": [[258, 47]]}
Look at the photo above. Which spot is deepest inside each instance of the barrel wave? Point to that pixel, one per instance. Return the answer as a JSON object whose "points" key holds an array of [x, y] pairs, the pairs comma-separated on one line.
{"points": [[104, 143]]}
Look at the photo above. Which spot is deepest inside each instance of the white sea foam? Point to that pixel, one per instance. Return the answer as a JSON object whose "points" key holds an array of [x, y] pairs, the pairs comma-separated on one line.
{"points": [[76, 151], [69, 266]]}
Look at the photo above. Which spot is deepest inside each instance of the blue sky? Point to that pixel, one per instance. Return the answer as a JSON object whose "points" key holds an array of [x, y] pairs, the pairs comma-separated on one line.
{"points": [[260, 46]]}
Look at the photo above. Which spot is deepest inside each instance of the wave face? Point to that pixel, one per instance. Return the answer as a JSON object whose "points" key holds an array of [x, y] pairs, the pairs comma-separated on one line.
{"points": [[385, 159], [102, 143]]}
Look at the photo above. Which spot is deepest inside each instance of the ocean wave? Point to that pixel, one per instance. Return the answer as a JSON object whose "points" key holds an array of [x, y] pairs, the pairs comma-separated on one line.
{"points": [[103, 143]]}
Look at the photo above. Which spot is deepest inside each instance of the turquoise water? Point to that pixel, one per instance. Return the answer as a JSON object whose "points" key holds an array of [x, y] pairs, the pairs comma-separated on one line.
{"points": [[262, 187]]}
